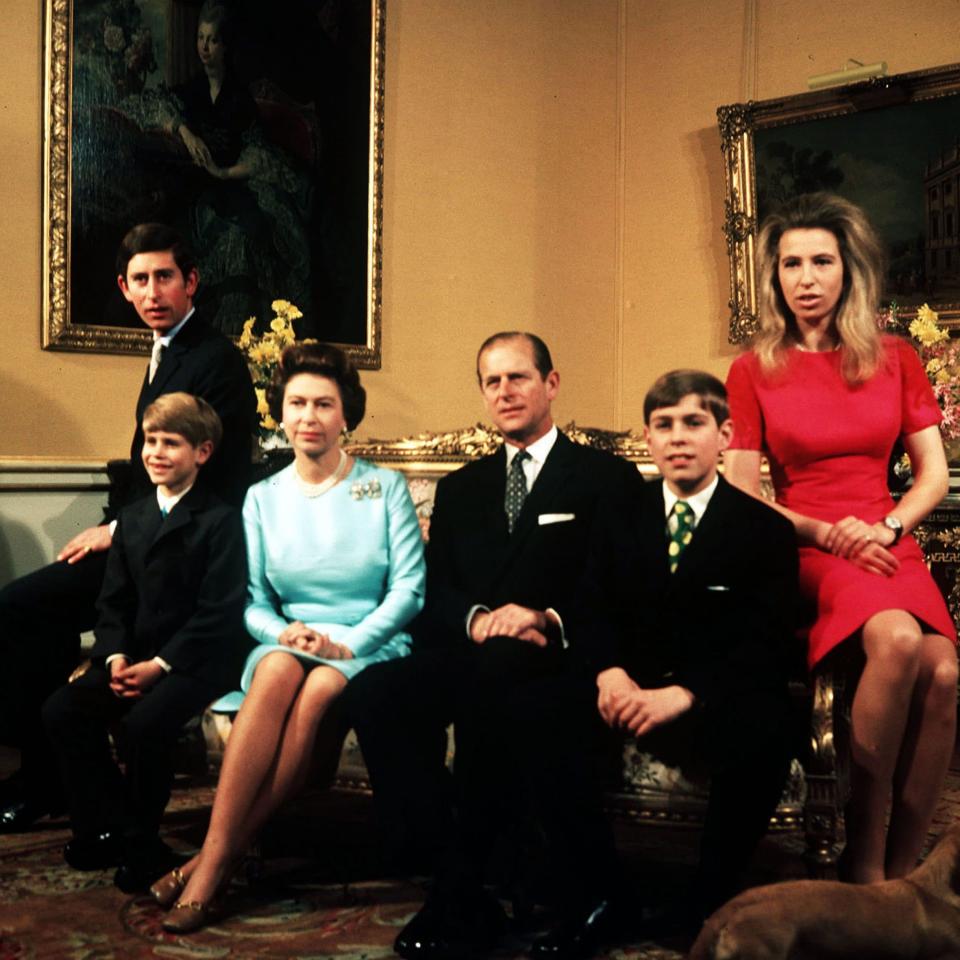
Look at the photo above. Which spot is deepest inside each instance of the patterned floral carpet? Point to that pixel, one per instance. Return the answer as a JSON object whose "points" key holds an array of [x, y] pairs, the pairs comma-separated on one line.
{"points": [[323, 904]]}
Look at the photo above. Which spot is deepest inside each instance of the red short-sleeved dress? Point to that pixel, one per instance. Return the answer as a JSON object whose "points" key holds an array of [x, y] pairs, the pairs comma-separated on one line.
{"points": [[829, 444]]}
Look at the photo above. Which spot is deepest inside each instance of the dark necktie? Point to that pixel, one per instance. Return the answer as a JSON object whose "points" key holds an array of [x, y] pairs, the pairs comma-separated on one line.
{"points": [[681, 537], [516, 491]]}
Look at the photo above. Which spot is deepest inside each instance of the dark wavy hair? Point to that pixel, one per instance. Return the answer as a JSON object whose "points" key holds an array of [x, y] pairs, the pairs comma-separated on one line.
{"points": [[218, 14], [153, 238], [541, 354], [670, 388], [324, 360]]}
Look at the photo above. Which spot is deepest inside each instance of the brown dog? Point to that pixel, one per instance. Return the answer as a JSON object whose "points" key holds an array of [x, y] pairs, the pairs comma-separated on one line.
{"points": [[917, 918]]}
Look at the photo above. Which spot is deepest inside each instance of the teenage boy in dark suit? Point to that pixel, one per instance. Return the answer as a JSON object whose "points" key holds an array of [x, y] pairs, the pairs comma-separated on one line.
{"points": [[508, 538], [691, 605], [43, 613], [169, 640]]}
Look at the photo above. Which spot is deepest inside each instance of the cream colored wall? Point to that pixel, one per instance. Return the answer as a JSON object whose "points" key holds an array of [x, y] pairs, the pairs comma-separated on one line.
{"points": [[551, 164], [684, 58]]}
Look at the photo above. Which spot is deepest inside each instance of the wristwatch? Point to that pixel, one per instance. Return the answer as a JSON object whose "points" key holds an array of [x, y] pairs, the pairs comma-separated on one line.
{"points": [[896, 525]]}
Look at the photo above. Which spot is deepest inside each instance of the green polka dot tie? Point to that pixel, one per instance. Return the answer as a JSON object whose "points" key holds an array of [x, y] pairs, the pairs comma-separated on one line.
{"points": [[681, 537], [516, 491]]}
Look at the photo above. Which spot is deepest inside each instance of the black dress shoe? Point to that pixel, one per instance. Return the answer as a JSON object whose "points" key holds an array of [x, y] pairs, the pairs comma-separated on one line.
{"points": [[21, 816], [423, 936], [12, 789], [96, 852], [585, 934], [447, 929], [142, 864], [136, 877]]}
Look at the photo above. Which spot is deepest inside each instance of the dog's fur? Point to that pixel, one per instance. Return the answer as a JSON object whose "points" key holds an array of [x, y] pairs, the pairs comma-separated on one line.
{"points": [[917, 918]]}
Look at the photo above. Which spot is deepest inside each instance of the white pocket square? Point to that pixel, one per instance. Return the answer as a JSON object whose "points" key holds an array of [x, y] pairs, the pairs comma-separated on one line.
{"points": [[719, 588], [546, 518]]}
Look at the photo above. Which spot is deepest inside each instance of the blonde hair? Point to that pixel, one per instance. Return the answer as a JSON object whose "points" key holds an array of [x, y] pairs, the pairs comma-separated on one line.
{"points": [[863, 268], [192, 417]]}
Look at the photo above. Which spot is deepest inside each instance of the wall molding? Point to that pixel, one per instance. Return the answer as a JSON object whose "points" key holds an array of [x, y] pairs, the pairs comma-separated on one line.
{"points": [[30, 473]]}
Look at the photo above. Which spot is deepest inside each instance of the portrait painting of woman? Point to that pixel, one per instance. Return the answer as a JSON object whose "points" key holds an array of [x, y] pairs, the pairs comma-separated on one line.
{"points": [[247, 126]]}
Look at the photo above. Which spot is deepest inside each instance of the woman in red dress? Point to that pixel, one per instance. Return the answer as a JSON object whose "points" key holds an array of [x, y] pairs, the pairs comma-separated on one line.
{"points": [[825, 396]]}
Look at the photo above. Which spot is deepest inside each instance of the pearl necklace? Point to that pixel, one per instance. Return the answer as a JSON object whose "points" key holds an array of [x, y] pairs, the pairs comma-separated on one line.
{"points": [[309, 489]]}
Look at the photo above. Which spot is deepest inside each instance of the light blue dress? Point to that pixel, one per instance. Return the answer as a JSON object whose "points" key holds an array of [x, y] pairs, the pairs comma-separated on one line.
{"points": [[348, 563]]}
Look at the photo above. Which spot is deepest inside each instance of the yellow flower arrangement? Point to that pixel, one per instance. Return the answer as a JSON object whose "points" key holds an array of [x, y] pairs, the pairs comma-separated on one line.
{"points": [[263, 353], [925, 327], [941, 360]]}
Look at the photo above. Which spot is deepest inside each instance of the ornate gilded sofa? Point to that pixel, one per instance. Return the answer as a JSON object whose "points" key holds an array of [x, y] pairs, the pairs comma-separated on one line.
{"points": [[648, 791]]}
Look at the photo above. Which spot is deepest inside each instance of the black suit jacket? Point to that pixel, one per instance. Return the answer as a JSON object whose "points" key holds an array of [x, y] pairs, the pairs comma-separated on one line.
{"points": [[471, 557], [203, 362], [175, 587], [723, 625]]}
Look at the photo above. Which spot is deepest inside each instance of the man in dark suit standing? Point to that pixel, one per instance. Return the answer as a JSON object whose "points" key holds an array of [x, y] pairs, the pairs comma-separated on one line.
{"points": [[43, 613], [692, 597], [508, 539]]}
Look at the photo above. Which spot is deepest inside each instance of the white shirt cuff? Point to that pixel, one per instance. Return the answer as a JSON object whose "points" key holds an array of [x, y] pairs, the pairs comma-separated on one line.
{"points": [[471, 613], [564, 642]]}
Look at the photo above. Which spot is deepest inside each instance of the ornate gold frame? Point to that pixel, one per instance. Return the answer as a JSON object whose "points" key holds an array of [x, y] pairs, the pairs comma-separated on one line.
{"points": [[60, 331], [436, 452], [739, 122]]}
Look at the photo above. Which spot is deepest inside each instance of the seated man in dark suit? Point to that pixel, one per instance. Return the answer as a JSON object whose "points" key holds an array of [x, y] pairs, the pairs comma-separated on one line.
{"points": [[508, 539], [43, 613], [169, 641], [692, 597]]}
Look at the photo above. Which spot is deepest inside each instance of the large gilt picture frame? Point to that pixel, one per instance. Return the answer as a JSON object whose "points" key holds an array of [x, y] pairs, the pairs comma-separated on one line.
{"points": [[255, 129], [891, 145]]}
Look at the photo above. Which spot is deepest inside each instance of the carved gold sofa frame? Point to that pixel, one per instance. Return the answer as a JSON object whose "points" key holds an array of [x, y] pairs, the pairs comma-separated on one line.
{"points": [[648, 792]]}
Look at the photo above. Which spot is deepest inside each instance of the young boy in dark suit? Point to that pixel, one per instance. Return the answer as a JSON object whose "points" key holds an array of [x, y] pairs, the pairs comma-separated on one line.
{"points": [[690, 615], [169, 640], [706, 661]]}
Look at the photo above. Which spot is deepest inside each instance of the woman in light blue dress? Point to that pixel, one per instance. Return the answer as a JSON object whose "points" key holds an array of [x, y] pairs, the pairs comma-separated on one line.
{"points": [[336, 572]]}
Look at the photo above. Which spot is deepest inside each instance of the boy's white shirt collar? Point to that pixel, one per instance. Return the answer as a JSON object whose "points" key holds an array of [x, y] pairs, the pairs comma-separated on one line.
{"points": [[167, 337], [168, 503], [698, 502]]}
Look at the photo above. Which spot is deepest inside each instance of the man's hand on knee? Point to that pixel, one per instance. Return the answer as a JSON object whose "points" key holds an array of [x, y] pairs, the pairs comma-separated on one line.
{"points": [[89, 541], [625, 705], [649, 709], [615, 689], [131, 682], [510, 620]]}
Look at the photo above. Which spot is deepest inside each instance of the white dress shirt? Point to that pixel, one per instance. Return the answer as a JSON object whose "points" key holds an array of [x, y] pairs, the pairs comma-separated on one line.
{"points": [[538, 452], [697, 503]]}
